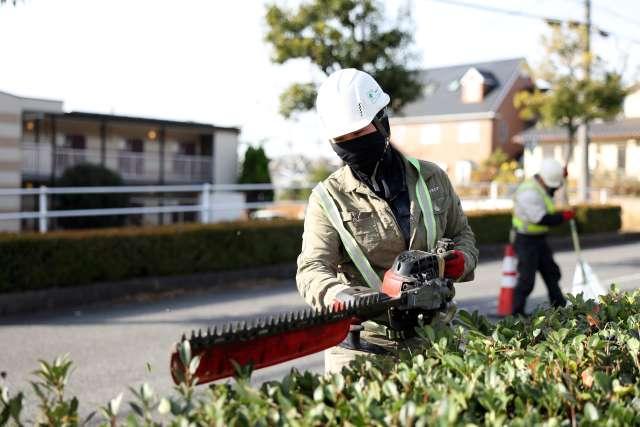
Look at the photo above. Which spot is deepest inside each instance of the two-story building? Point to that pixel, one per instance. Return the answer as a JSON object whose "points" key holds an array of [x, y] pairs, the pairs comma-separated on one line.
{"points": [[464, 114], [39, 141], [613, 152]]}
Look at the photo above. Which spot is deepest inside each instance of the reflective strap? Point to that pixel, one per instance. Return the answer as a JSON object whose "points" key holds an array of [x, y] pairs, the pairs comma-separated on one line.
{"points": [[424, 200], [528, 228], [349, 243]]}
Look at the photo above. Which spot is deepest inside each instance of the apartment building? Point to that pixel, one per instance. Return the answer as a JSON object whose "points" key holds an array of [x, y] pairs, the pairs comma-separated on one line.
{"points": [[464, 114], [39, 141]]}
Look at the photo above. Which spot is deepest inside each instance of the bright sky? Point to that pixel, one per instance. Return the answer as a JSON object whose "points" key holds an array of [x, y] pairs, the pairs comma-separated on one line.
{"points": [[205, 60]]}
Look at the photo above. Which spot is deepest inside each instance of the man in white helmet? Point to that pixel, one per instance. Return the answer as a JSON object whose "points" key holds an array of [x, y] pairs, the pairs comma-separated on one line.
{"points": [[533, 214], [372, 209]]}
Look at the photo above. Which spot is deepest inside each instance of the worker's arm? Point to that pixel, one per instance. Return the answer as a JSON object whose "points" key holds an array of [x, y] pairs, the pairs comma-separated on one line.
{"points": [[318, 261], [552, 220], [459, 231]]}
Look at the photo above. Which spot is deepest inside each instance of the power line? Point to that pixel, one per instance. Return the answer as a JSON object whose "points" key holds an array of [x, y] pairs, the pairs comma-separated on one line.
{"points": [[618, 14], [509, 12], [548, 19]]}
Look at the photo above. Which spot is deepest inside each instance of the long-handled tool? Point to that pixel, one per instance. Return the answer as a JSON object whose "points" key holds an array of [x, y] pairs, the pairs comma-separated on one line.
{"points": [[584, 279]]}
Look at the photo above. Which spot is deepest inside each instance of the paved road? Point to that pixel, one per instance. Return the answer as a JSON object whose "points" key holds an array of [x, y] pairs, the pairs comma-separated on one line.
{"points": [[112, 345]]}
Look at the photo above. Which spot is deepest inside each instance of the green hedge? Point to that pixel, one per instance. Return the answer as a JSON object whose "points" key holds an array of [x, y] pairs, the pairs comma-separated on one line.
{"points": [[493, 226], [34, 261], [577, 365]]}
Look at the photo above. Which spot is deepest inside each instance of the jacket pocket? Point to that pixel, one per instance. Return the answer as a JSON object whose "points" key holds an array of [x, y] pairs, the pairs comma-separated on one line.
{"points": [[363, 227]]}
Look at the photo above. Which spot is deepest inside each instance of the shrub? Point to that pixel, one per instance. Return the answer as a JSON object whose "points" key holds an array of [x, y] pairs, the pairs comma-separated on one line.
{"points": [[572, 366], [36, 261], [494, 226], [91, 175]]}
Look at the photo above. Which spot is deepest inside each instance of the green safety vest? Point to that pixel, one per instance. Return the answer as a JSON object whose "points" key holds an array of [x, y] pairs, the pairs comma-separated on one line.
{"points": [[355, 252], [525, 227]]}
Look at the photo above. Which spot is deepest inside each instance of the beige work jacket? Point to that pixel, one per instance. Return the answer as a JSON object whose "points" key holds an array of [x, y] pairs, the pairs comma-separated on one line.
{"points": [[324, 267]]}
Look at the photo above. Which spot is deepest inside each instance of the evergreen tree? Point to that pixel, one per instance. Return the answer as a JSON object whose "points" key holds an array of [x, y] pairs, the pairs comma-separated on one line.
{"points": [[255, 170], [336, 34]]}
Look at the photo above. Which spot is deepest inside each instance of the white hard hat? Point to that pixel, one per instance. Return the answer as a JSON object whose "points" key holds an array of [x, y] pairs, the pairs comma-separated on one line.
{"points": [[348, 101], [552, 173]]}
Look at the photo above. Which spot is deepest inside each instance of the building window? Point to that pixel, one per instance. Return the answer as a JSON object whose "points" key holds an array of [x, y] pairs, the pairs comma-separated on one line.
{"points": [[72, 152], [131, 158], [430, 134], [469, 132], [463, 171], [187, 148], [503, 132], [622, 157], [206, 145], [75, 142], [134, 145]]}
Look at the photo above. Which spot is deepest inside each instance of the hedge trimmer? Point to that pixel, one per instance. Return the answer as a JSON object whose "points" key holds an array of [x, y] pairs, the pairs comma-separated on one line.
{"points": [[413, 290]]}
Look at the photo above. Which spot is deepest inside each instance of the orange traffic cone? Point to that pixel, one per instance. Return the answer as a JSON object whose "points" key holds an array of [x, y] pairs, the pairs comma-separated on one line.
{"points": [[505, 300]]}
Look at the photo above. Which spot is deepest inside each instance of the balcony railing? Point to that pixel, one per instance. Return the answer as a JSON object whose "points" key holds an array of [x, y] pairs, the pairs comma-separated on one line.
{"points": [[37, 160]]}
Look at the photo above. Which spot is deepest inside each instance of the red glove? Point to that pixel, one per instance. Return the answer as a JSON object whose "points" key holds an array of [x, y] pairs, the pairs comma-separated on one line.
{"points": [[568, 215], [454, 264]]}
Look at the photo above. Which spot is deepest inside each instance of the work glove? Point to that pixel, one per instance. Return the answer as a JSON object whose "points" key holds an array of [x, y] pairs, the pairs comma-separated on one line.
{"points": [[568, 215], [453, 264]]}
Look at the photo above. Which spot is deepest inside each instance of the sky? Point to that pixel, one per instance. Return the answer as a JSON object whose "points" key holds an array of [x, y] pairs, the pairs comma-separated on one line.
{"points": [[206, 61]]}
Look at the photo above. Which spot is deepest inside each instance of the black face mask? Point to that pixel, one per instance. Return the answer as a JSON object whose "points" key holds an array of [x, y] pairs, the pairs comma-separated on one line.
{"points": [[362, 153], [551, 191]]}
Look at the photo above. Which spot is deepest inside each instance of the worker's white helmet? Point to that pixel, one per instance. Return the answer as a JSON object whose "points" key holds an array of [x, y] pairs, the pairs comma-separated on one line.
{"points": [[551, 172], [348, 101]]}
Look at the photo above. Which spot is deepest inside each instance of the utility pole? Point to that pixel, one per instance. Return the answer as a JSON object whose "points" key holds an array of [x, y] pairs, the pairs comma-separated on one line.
{"points": [[583, 130]]}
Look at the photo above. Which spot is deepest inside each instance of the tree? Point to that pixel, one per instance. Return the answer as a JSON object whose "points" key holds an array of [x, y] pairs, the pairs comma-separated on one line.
{"points": [[335, 34], [255, 170], [91, 175], [580, 88]]}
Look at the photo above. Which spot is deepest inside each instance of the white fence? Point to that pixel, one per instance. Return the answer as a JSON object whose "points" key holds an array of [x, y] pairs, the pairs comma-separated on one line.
{"points": [[218, 202], [215, 202]]}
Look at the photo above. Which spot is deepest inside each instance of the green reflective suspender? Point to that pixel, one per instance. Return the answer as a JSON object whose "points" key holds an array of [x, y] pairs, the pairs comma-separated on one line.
{"points": [[350, 244], [424, 200], [355, 253], [522, 225]]}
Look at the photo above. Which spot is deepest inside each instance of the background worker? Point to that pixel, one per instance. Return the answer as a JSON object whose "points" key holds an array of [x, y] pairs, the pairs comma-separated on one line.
{"points": [[374, 198], [533, 214]]}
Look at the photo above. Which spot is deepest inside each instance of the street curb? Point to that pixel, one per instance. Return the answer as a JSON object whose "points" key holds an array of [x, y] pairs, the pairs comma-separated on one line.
{"points": [[78, 296]]}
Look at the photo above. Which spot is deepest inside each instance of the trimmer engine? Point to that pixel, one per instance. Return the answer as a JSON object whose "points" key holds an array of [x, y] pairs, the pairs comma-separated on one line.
{"points": [[417, 277]]}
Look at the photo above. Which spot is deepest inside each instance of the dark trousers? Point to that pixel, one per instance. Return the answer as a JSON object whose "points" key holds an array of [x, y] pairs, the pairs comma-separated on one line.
{"points": [[534, 254]]}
